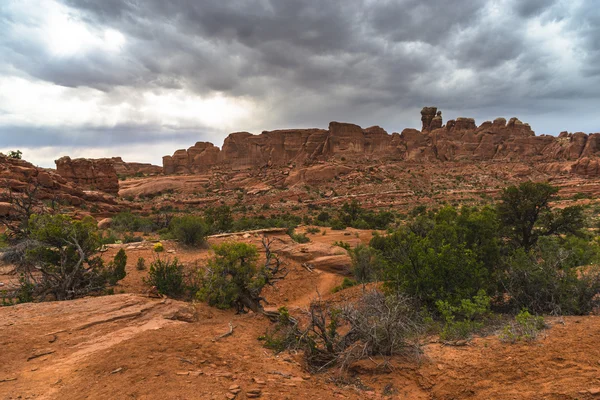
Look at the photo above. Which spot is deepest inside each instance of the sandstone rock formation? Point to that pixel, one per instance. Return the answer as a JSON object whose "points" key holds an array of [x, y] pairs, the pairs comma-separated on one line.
{"points": [[127, 169], [93, 174], [20, 176], [458, 140]]}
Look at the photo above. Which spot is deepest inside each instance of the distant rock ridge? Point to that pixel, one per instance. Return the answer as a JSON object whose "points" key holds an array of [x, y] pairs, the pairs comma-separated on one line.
{"points": [[21, 176], [93, 174], [457, 140], [101, 173]]}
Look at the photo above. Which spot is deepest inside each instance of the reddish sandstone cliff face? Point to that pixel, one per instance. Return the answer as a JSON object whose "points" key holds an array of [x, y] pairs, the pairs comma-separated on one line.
{"points": [[94, 174], [20, 176], [133, 168], [457, 140]]}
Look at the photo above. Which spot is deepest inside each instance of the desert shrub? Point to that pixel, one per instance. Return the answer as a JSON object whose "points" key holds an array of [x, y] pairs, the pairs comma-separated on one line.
{"points": [[526, 214], [448, 256], [337, 225], [232, 277], [376, 325], [346, 283], [313, 230], [261, 222], [141, 264], [189, 230], [64, 254], [352, 214], [129, 222], [16, 154], [344, 245], [117, 267], [323, 217], [525, 327], [366, 265], [384, 325], [26, 289], [3, 241], [542, 281], [219, 219], [282, 336], [460, 322], [299, 237], [132, 239], [108, 237], [167, 276]]}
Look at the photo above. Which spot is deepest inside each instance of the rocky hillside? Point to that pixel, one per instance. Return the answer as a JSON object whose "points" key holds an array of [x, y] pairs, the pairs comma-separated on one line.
{"points": [[20, 176]]}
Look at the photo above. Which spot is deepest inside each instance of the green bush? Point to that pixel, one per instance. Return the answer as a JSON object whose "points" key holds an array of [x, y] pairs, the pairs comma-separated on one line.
{"points": [[446, 256], [313, 230], [346, 283], [344, 245], [542, 281], [337, 225], [230, 275], [460, 322], [366, 265], [65, 256], [219, 219], [189, 230], [526, 327], [16, 154], [299, 237], [117, 267], [129, 222], [167, 276]]}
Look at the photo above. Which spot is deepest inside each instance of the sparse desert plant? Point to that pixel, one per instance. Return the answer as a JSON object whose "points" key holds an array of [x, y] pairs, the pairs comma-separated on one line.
{"points": [[299, 237], [346, 283], [313, 230], [141, 264], [365, 263], [525, 327], [344, 245], [376, 325]]}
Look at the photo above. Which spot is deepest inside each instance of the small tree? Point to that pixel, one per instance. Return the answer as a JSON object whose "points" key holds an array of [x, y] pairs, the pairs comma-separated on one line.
{"points": [[16, 154], [117, 267], [189, 230], [166, 276], [64, 255], [219, 219], [365, 263], [233, 278], [525, 211]]}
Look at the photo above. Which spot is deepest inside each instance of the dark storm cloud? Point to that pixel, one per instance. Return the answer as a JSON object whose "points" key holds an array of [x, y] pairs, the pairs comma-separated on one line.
{"points": [[95, 137], [308, 62]]}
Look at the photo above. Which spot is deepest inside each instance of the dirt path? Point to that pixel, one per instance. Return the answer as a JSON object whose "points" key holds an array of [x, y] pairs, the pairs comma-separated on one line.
{"points": [[326, 282]]}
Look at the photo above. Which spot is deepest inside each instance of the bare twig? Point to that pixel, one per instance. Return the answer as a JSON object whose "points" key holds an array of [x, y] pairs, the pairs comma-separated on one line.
{"points": [[229, 333]]}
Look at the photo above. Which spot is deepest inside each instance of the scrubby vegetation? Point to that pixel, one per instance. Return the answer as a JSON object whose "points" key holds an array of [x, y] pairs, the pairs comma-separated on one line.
{"points": [[460, 268], [233, 278], [59, 260], [189, 230]]}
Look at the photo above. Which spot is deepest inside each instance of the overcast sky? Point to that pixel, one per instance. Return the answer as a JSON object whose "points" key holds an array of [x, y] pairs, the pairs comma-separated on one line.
{"points": [[142, 78]]}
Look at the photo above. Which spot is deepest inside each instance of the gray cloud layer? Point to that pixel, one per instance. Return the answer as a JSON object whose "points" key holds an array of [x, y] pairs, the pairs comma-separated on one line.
{"points": [[304, 63]]}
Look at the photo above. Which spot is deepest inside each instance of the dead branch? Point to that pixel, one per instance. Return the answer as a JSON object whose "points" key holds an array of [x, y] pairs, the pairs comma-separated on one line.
{"points": [[229, 333]]}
